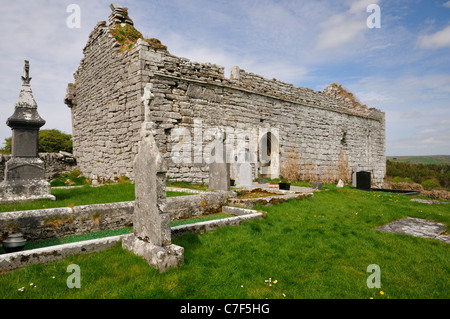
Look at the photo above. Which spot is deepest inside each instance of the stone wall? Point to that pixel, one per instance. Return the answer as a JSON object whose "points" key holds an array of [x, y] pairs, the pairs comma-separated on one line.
{"points": [[319, 128], [107, 113], [54, 163]]}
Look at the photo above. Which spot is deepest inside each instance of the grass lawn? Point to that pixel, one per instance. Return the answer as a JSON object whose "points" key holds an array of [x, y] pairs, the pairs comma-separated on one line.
{"points": [[87, 195], [318, 247]]}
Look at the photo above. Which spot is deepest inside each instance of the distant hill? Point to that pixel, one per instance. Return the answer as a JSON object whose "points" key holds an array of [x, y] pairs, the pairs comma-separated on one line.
{"points": [[431, 159]]}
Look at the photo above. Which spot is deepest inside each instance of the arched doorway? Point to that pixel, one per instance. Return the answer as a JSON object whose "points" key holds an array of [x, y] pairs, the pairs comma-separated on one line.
{"points": [[269, 155]]}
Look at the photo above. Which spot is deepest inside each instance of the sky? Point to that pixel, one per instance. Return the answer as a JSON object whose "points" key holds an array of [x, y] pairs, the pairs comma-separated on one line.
{"points": [[401, 66]]}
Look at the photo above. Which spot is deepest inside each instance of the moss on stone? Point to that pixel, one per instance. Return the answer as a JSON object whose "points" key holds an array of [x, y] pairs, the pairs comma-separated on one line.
{"points": [[127, 35]]}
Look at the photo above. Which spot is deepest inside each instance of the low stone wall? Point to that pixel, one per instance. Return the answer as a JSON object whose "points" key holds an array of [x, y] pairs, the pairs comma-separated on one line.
{"points": [[202, 227], [196, 205], [59, 222], [279, 196]]}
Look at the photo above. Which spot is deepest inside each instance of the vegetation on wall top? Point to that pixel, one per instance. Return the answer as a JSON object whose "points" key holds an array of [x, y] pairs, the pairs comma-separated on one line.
{"points": [[127, 36]]}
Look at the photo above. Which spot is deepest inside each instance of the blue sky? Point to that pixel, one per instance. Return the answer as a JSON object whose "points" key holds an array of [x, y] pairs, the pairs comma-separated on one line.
{"points": [[402, 68]]}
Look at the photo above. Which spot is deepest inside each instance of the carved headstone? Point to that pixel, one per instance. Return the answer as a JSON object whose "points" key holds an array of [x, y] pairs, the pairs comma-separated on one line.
{"points": [[151, 237], [219, 169], [24, 173]]}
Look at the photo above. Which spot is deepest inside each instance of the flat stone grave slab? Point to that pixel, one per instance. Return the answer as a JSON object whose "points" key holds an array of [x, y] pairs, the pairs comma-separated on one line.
{"points": [[417, 227]]}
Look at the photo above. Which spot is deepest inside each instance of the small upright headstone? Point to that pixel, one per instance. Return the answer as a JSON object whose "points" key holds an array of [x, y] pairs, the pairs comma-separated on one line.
{"points": [[219, 169], [244, 174], [340, 184], [151, 237], [354, 179], [363, 180], [25, 172]]}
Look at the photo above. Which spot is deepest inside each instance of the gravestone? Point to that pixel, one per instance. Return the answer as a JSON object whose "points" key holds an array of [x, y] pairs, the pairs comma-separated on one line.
{"points": [[25, 172], [151, 236], [363, 180], [219, 169], [244, 174]]}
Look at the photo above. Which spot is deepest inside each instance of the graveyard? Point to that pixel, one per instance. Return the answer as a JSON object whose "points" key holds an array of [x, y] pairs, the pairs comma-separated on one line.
{"points": [[317, 247], [225, 227]]}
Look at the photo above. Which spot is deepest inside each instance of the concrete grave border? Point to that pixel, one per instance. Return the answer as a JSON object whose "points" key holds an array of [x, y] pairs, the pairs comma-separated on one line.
{"points": [[53, 253], [38, 225]]}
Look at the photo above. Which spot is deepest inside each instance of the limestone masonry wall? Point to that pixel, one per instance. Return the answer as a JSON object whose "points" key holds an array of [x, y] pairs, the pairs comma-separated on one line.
{"points": [[323, 131], [107, 113]]}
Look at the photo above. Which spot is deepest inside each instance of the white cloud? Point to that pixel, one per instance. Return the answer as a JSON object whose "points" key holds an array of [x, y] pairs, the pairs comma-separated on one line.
{"points": [[446, 4], [412, 115], [440, 39], [427, 132], [344, 28], [264, 66]]}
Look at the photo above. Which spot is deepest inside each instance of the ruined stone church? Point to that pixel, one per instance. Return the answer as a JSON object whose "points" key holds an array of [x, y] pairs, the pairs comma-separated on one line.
{"points": [[280, 128]]}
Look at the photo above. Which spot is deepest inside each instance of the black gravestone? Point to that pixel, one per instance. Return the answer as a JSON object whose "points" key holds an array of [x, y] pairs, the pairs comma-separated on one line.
{"points": [[363, 180]]}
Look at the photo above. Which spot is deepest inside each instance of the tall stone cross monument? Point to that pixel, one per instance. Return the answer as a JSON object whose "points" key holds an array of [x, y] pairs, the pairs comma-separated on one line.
{"points": [[24, 172], [151, 236]]}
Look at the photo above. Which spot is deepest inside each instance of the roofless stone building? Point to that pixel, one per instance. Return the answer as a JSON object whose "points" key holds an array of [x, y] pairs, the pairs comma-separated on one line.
{"points": [[278, 127]]}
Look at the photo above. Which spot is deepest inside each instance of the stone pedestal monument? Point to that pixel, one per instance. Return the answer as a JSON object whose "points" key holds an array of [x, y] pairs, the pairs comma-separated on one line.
{"points": [[151, 236], [24, 172]]}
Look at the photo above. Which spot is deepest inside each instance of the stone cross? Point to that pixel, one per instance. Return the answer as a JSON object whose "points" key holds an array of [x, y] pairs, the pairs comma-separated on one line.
{"points": [[26, 70], [146, 99], [151, 237]]}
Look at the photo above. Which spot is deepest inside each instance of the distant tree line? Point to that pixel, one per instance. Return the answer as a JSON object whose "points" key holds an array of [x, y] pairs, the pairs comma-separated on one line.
{"points": [[50, 141], [420, 173]]}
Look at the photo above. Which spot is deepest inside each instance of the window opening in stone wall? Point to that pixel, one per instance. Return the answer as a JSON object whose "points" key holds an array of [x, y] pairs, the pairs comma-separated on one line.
{"points": [[344, 139]]}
